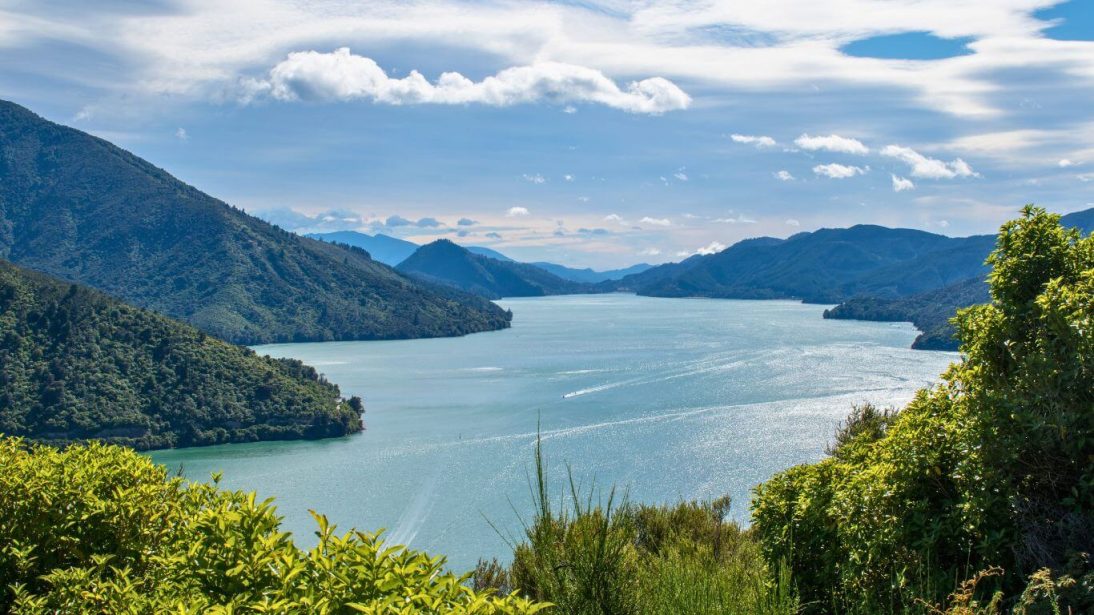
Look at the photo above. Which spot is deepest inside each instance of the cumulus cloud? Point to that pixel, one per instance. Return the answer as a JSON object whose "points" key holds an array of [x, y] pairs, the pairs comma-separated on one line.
{"points": [[712, 248], [929, 168], [900, 184], [428, 222], [740, 219], [535, 179], [680, 175], [397, 220], [757, 140], [784, 176], [466, 222], [341, 75], [568, 177], [832, 143], [1063, 164], [656, 221], [182, 135], [614, 218], [516, 211], [792, 222], [838, 171]]}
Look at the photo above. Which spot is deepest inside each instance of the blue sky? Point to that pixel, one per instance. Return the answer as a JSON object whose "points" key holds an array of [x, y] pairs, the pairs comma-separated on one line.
{"points": [[586, 133]]}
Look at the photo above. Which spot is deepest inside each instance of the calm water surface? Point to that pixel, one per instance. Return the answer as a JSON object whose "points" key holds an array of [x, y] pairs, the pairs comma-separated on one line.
{"points": [[666, 398]]}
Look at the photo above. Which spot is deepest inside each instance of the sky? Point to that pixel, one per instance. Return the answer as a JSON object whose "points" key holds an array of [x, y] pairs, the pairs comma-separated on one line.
{"points": [[583, 132]]}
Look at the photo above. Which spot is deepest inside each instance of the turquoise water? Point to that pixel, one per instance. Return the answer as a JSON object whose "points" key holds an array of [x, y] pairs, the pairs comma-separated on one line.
{"points": [[666, 398]]}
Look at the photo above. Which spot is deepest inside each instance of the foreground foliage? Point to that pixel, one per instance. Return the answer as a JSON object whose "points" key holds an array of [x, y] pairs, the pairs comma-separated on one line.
{"points": [[608, 558], [100, 529], [76, 364], [988, 476]]}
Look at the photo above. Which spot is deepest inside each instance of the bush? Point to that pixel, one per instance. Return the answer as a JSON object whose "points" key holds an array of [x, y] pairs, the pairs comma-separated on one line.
{"points": [[618, 558], [991, 468], [100, 529]]}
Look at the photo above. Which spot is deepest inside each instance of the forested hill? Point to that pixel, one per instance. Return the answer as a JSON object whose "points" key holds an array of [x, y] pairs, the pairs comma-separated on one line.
{"points": [[444, 262], [76, 364], [824, 266], [81, 209], [931, 311]]}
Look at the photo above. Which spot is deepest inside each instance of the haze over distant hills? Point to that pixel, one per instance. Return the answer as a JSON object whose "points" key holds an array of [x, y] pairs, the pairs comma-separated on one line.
{"points": [[445, 262], [392, 251], [79, 208], [76, 364]]}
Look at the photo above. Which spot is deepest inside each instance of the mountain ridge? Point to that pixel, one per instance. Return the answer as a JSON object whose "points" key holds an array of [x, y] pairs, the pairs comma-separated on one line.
{"points": [[79, 208]]}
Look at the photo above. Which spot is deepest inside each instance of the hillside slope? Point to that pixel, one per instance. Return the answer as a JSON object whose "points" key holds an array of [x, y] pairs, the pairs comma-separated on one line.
{"points": [[76, 364], [81, 209], [444, 262], [931, 311], [824, 266]]}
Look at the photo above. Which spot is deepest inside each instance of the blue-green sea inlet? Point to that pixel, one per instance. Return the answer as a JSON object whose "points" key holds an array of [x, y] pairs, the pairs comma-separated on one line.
{"points": [[666, 399]]}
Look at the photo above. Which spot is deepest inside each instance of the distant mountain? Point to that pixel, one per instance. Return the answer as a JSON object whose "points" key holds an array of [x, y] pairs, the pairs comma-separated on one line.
{"points": [[81, 209], [823, 266], [589, 276], [76, 364], [931, 311], [487, 252], [388, 250], [444, 262]]}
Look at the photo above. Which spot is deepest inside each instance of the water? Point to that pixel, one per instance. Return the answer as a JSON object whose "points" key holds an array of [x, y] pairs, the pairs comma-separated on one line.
{"points": [[666, 398]]}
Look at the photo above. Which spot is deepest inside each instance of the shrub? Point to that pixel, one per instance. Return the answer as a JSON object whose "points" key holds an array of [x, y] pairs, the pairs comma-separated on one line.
{"points": [[993, 467], [100, 529]]}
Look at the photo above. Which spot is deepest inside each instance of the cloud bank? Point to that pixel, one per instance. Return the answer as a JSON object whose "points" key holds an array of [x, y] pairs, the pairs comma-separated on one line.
{"points": [[341, 75]]}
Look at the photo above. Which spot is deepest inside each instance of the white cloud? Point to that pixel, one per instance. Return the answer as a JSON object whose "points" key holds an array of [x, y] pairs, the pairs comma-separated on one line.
{"points": [[516, 211], [568, 177], [832, 143], [712, 248], [535, 179], [681, 176], [182, 135], [838, 171], [929, 168], [650, 252], [792, 222], [656, 221], [757, 140], [342, 75], [900, 184], [614, 218], [569, 109], [740, 219], [1064, 163], [944, 223], [784, 175]]}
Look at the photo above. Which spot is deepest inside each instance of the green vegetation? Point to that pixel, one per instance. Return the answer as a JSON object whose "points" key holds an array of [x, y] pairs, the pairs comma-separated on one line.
{"points": [[610, 558], [76, 365], [130, 539], [81, 209], [988, 476], [444, 262], [931, 312]]}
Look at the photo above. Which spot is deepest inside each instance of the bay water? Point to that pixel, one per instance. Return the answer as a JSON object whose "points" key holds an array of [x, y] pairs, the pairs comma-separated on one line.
{"points": [[664, 399]]}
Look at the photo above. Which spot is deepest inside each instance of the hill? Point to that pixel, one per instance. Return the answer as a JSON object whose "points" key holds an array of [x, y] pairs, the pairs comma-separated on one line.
{"points": [[444, 262], [931, 311], [590, 276], [76, 364], [81, 209], [388, 250], [823, 266]]}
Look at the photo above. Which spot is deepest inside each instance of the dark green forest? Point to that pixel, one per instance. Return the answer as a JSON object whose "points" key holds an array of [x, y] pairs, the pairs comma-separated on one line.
{"points": [[78, 208], [76, 364]]}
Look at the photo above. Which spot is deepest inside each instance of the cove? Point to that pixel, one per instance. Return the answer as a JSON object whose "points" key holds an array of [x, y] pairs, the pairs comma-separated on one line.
{"points": [[666, 399]]}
